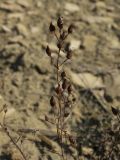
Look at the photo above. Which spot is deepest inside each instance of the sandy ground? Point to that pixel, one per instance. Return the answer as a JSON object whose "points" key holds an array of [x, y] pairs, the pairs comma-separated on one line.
{"points": [[27, 78]]}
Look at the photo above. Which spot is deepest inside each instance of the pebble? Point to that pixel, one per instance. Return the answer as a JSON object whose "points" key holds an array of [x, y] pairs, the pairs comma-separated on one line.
{"points": [[11, 7], [90, 42], [71, 7], [35, 30], [6, 29], [87, 151], [22, 29], [23, 3], [74, 44], [102, 5], [97, 19], [114, 43], [16, 15], [17, 40], [85, 80], [39, 4]]}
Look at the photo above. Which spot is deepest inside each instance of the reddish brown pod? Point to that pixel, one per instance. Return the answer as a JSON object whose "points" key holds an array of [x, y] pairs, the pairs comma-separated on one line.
{"points": [[70, 29], [51, 27], [60, 22], [48, 51], [52, 101], [69, 89], [69, 54]]}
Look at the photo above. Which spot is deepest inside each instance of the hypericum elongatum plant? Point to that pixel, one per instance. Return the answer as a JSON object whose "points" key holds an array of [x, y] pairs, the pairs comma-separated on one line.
{"points": [[62, 98]]}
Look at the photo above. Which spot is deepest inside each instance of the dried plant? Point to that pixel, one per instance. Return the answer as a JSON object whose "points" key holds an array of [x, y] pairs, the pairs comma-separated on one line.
{"points": [[62, 101], [112, 139], [62, 98]]}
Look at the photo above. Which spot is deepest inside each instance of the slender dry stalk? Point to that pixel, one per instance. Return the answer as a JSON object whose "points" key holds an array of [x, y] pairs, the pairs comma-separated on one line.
{"points": [[4, 128], [60, 100]]}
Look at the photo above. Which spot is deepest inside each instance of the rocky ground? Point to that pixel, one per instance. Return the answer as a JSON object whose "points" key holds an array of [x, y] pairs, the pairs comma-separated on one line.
{"points": [[27, 78]]}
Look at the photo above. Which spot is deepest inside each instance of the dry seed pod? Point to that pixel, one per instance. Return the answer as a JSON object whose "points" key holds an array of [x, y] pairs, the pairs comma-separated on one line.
{"points": [[5, 128], [58, 89], [60, 22], [67, 105], [64, 84], [70, 29], [72, 140], [115, 111], [63, 75], [59, 45], [51, 27], [52, 102], [73, 99], [67, 112], [108, 98], [69, 89], [46, 118], [48, 51], [69, 54]]}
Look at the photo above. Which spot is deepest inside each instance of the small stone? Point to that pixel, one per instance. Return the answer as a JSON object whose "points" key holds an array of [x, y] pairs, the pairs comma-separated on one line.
{"points": [[11, 7], [22, 29], [85, 79], [35, 30], [87, 151], [98, 19], [71, 7], [90, 42], [39, 4], [23, 3], [74, 44], [6, 29], [100, 5], [19, 16], [114, 43], [18, 40], [17, 79]]}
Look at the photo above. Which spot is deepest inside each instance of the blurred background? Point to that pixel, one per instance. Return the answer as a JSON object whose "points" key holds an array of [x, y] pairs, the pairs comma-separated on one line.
{"points": [[27, 77]]}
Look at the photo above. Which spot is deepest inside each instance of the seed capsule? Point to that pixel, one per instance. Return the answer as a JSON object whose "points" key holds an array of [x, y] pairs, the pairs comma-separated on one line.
{"points": [[108, 98], [70, 29], [69, 89], [115, 111], [58, 89], [63, 75], [69, 54], [64, 84], [72, 140], [48, 51], [52, 102], [51, 27], [60, 22], [73, 99], [59, 45], [46, 118]]}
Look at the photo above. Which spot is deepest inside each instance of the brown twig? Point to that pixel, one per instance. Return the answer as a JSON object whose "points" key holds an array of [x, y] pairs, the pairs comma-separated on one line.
{"points": [[12, 140]]}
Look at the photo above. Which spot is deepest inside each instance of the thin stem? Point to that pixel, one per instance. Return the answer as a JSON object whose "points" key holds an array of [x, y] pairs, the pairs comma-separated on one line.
{"points": [[56, 36], [63, 62], [59, 123], [15, 144]]}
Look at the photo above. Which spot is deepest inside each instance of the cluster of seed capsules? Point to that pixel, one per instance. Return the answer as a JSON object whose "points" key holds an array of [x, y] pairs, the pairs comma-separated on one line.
{"points": [[61, 38], [62, 101]]}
